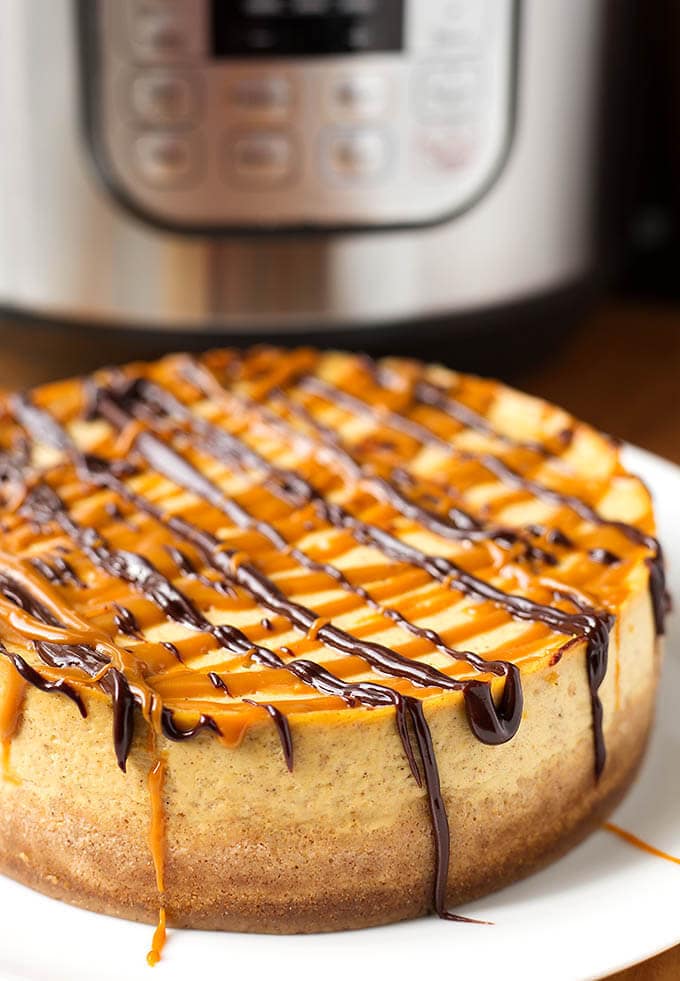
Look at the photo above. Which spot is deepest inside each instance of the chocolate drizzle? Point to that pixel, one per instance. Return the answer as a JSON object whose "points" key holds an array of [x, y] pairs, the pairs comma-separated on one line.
{"points": [[123, 714], [126, 622], [34, 678], [282, 728], [162, 436], [177, 734]]}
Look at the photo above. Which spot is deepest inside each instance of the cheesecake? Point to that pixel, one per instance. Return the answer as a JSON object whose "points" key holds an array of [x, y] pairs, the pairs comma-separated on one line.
{"points": [[298, 641]]}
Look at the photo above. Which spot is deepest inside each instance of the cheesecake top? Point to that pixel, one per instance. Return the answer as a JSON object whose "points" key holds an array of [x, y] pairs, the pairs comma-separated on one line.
{"points": [[242, 535]]}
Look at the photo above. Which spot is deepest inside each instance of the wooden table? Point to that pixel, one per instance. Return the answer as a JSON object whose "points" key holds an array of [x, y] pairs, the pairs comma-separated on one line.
{"points": [[620, 370]]}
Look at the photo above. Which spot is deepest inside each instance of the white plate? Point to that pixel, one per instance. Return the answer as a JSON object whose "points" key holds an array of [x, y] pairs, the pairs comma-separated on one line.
{"points": [[605, 906]]}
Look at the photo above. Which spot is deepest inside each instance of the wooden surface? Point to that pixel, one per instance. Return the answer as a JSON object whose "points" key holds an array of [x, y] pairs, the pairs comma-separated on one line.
{"points": [[620, 370]]}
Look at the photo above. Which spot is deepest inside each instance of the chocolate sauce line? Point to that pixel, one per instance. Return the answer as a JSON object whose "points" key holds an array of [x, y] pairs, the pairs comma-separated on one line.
{"points": [[126, 622], [282, 728], [437, 811], [430, 394], [58, 571], [505, 473], [123, 703], [33, 677], [178, 735]]}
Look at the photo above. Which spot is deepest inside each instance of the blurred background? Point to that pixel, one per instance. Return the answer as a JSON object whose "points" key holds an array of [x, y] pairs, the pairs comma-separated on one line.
{"points": [[489, 183]]}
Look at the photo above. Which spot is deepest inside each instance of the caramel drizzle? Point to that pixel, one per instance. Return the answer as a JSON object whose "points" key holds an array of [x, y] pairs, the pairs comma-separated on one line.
{"points": [[644, 846], [156, 780], [14, 687], [158, 940]]}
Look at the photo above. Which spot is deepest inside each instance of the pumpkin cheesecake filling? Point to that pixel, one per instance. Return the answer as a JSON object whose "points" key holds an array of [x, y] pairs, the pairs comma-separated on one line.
{"points": [[333, 641]]}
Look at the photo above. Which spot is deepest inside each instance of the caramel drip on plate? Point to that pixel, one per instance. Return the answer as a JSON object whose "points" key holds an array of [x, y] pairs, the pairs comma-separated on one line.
{"points": [[158, 940], [212, 498], [639, 843]]}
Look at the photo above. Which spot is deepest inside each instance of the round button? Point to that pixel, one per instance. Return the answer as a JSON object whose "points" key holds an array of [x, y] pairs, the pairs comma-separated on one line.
{"points": [[261, 158], [160, 36], [163, 98], [359, 96], [447, 149], [446, 93], [261, 95], [355, 155], [164, 159]]}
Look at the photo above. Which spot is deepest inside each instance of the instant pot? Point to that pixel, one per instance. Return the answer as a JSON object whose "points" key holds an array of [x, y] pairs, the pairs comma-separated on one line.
{"points": [[261, 166]]}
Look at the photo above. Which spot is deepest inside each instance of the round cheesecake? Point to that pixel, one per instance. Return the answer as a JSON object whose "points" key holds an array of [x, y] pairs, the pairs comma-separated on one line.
{"points": [[301, 641]]}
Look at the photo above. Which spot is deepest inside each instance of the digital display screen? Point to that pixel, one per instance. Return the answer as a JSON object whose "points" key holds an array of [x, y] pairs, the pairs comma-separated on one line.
{"points": [[252, 28]]}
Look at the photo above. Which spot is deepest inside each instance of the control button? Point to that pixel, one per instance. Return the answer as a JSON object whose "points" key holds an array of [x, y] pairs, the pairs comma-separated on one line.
{"points": [[357, 95], [447, 149], [165, 159], [262, 95], [162, 35], [163, 99], [260, 158], [453, 39], [355, 155], [448, 92]]}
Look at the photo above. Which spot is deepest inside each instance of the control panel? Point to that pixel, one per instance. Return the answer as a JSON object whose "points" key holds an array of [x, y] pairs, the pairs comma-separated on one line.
{"points": [[259, 114]]}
